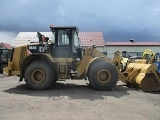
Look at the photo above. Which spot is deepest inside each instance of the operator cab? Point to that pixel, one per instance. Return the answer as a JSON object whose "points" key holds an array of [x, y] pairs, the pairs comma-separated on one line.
{"points": [[65, 42]]}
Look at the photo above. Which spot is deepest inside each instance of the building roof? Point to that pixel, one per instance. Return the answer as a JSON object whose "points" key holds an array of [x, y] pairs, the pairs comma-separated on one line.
{"points": [[5, 45], [91, 38], [86, 38], [133, 43]]}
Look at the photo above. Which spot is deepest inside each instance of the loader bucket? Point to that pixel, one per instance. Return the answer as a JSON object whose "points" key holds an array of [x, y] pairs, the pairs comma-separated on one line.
{"points": [[150, 83], [144, 76]]}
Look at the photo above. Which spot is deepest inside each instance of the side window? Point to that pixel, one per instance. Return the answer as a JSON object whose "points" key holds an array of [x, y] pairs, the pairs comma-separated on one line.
{"points": [[53, 37], [75, 43], [76, 40], [63, 37]]}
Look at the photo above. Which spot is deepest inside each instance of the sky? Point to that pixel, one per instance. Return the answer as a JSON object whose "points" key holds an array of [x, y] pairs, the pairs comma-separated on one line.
{"points": [[118, 20]]}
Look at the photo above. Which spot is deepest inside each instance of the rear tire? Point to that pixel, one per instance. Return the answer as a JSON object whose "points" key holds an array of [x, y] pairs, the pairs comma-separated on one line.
{"points": [[39, 76], [103, 75]]}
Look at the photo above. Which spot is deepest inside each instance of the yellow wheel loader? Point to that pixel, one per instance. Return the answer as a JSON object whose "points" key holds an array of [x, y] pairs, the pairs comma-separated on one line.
{"points": [[149, 56], [41, 64], [128, 57], [143, 73]]}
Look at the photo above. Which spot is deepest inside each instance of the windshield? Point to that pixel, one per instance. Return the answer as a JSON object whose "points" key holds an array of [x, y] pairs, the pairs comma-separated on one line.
{"points": [[63, 37]]}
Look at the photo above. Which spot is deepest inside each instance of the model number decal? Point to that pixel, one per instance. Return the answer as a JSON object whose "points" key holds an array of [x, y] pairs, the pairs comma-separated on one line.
{"points": [[32, 47]]}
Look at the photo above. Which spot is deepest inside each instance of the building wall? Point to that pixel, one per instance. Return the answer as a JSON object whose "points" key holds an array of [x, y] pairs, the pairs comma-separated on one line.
{"points": [[100, 48], [112, 49], [128, 48], [131, 49]]}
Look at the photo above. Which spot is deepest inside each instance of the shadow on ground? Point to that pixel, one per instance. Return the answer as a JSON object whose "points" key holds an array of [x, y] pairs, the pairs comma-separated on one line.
{"points": [[72, 91]]}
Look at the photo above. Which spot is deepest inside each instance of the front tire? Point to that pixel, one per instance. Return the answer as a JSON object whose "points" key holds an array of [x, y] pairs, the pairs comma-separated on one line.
{"points": [[103, 75], [39, 76]]}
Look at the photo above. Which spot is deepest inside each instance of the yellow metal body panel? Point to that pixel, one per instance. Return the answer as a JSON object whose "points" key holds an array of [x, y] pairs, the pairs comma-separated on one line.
{"points": [[149, 52], [14, 72], [7, 71], [139, 74], [13, 67], [19, 54], [141, 61], [83, 65], [62, 64]]}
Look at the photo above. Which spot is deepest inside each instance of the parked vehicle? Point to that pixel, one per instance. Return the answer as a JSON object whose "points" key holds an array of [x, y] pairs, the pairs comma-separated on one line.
{"points": [[62, 57], [4, 56]]}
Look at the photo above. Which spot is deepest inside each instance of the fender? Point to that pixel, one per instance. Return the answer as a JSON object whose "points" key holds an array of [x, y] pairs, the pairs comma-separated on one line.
{"points": [[31, 58], [92, 62]]}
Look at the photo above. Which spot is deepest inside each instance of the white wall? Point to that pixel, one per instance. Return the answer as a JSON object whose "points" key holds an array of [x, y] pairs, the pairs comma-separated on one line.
{"points": [[131, 49], [128, 48], [112, 49]]}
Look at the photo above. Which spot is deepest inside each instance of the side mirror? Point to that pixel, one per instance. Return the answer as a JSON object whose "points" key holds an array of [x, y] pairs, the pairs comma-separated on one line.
{"points": [[40, 36]]}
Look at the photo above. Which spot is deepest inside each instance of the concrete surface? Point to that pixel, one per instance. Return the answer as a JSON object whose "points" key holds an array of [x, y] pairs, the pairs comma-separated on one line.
{"points": [[75, 100]]}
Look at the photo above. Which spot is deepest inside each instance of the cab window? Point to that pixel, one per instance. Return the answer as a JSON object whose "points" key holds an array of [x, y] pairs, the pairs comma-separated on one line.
{"points": [[63, 37]]}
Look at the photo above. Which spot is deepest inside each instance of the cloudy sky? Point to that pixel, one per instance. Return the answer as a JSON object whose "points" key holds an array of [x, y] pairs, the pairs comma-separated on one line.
{"points": [[119, 20]]}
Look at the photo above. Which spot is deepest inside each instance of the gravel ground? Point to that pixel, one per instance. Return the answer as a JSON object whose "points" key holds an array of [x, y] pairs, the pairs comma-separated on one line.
{"points": [[75, 100]]}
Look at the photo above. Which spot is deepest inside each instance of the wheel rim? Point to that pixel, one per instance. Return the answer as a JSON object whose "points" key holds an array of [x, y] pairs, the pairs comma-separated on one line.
{"points": [[103, 76], [38, 76]]}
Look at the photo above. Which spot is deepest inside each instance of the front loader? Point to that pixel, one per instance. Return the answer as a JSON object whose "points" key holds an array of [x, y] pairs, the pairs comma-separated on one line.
{"points": [[41, 64], [61, 57], [143, 72]]}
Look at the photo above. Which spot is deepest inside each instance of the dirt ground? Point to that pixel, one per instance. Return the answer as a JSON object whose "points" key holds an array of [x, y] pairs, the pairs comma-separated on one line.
{"points": [[75, 100]]}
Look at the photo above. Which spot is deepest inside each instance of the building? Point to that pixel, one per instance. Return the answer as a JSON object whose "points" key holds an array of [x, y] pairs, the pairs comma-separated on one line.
{"points": [[87, 39], [132, 46], [4, 45]]}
